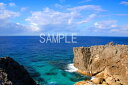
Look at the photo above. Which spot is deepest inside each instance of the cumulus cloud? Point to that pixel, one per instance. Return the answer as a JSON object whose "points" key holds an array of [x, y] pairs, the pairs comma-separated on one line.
{"points": [[48, 18], [52, 20], [5, 14], [124, 2], [110, 27], [79, 19], [6, 26]]}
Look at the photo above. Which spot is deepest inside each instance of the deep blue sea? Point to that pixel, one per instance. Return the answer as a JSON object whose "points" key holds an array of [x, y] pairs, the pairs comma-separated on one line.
{"points": [[47, 63]]}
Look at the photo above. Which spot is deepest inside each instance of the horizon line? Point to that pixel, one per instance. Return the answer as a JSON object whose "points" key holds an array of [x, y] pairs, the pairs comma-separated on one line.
{"points": [[55, 35]]}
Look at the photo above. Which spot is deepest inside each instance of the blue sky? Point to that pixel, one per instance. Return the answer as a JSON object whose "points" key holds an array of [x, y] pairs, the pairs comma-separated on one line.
{"points": [[84, 17]]}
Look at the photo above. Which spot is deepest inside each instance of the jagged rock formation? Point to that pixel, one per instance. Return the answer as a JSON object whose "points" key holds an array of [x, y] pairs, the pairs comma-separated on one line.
{"points": [[107, 62], [12, 73]]}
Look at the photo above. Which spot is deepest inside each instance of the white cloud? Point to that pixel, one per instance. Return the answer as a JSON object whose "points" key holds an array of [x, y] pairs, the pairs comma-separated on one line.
{"points": [[90, 17], [2, 6], [124, 2], [6, 26], [76, 19], [107, 24], [12, 4], [70, 19], [5, 14], [49, 17], [9, 28], [110, 26], [122, 29], [87, 7]]}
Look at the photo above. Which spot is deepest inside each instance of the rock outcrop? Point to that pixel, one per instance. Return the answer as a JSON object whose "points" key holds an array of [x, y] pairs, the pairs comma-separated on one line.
{"points": [[12, 73], [108, 63]]}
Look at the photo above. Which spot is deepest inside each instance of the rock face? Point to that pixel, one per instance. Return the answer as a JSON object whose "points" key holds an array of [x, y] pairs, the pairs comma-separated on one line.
{"points": [[12, 73], [109, 62]]}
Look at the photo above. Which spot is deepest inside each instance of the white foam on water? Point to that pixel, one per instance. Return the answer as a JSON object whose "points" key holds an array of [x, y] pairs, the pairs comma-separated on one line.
{"points": [[71, 68], [93, 77], [52, 83]]}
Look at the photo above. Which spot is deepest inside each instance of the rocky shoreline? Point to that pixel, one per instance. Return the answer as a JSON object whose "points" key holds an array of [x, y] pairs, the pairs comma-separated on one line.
{"points": [[12, 73], [107, 64]]}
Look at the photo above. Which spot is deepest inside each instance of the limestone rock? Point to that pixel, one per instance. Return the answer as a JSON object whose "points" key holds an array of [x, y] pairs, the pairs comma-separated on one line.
{"points": [[107, 61], [97, 80], [85, 83]]}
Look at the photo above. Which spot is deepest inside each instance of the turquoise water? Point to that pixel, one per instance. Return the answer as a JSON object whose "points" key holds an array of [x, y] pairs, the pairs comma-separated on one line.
{"points": [[47, 63]]}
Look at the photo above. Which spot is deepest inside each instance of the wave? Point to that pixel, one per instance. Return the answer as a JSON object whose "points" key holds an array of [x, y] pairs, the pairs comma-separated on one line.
{"points": [[93, 77], [52, 83], [71, 68]]}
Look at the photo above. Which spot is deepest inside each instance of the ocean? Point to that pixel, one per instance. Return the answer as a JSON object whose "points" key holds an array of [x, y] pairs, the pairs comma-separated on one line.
{"points": [[50, 63]]}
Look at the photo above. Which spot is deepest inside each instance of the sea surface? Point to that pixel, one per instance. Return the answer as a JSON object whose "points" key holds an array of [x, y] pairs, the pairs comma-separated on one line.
{"points": [[50, 63]]}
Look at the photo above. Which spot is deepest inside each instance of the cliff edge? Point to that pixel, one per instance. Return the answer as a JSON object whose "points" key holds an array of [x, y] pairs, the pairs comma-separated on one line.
{"points": [[108, 63], [12, 73]]}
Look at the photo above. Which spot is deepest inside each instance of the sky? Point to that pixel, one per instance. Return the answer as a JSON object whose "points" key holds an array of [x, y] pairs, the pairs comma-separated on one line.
{"points": [[83, 17]]}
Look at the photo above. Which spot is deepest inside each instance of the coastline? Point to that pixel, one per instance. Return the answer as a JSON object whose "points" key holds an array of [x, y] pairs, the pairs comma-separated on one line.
{"points": [[40, 59], [106, 64]]}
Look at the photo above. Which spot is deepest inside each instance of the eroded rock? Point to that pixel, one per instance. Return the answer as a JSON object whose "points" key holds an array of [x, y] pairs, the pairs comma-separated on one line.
{"points": [[109, 62]]}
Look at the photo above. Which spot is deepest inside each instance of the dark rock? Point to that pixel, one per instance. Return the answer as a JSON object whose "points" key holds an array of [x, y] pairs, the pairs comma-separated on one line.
{"points": [[12, 73]]}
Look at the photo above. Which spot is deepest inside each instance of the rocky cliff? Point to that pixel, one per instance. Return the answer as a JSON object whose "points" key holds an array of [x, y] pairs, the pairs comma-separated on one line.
{"points": [[108, 63], [12, 73]]}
